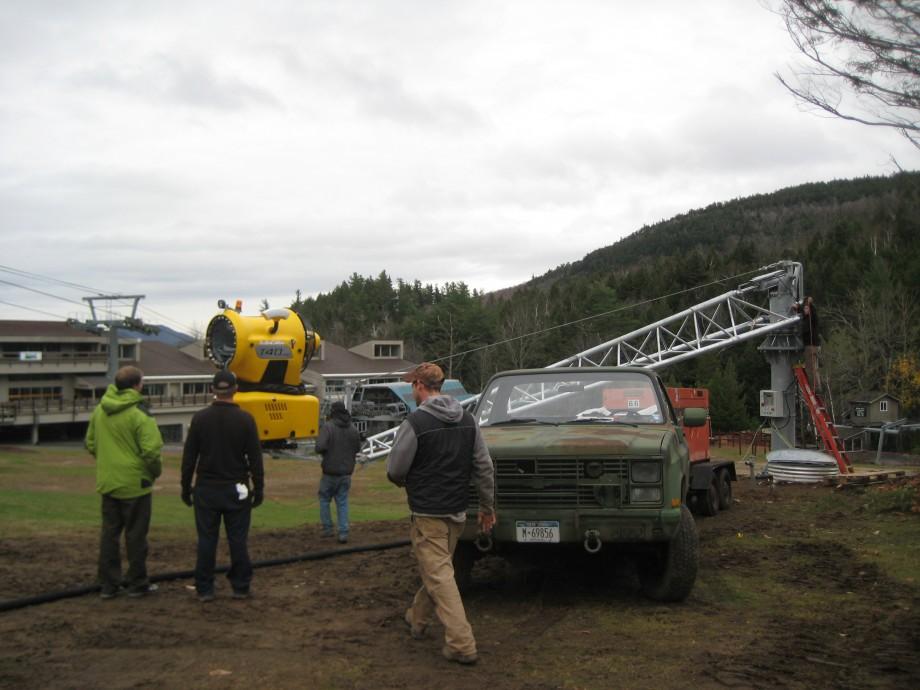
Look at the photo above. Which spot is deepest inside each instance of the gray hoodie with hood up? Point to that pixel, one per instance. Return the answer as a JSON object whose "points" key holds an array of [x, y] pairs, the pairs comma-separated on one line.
{"points": [[445, 409]]}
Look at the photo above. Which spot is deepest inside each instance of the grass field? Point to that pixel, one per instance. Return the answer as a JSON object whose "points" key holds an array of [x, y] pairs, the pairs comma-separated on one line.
{"points": [[51, 489]]}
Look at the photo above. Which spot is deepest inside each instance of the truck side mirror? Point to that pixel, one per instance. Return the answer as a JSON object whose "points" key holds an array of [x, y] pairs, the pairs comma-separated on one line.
{"points": [[695, 416]]}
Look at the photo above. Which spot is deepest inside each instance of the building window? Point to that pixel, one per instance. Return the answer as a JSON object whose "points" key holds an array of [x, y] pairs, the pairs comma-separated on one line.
{"points": [[196, 388], [127, 352], [387, 351], [35, 393], [859, 411], [335, 386], [155, 389], [883, 406]]}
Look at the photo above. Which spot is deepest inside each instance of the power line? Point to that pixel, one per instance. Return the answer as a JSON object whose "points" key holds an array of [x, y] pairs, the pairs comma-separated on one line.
{"points": [[37, 311], [720, 281], [47, 279], [597, 316], [41, 292], [80, 287]]}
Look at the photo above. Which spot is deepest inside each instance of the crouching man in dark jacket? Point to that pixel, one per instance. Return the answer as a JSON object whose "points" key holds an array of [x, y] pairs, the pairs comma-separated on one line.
{"points": [[338, 442], [222, 453]]}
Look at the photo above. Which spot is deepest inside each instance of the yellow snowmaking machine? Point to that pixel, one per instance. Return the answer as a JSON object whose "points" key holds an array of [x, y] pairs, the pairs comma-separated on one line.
{"points": [[267, 353]]}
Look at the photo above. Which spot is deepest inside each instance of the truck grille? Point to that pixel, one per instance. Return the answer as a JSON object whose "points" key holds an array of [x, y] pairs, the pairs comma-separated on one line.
{"points": [[556, 483]]}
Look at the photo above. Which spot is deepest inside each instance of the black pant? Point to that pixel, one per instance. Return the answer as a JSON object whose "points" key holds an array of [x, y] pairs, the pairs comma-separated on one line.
{"points": [[213, 502], [133, 516]]}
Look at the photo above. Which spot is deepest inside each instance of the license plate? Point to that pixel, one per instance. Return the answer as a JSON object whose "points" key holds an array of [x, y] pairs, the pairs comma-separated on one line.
{"points": [[545, 531]]}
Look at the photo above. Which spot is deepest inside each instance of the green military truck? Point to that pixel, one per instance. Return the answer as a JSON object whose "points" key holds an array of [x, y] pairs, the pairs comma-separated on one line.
{"points": [[592, 458]]}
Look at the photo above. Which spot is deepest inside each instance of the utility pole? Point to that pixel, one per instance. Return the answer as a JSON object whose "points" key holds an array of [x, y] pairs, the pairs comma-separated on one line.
{"points": [[98, 325]]}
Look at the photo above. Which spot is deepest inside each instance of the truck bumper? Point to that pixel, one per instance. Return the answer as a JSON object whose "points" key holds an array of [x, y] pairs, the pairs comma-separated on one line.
{"points": [[611, 527]]}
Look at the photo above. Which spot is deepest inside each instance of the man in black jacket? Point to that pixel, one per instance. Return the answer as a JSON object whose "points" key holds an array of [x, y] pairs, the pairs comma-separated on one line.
{"points": [[338, 442], [436, 452], [222, 452]]}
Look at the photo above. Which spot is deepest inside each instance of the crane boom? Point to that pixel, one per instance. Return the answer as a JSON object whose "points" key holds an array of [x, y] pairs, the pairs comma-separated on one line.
{"points": [[729, 319]]}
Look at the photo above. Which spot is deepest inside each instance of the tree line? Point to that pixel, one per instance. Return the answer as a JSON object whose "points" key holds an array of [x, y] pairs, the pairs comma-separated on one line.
{"points": [[859, 242]]}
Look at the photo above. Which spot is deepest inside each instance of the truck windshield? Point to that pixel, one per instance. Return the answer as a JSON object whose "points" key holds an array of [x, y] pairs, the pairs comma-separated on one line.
{"points": [[562, 396]]}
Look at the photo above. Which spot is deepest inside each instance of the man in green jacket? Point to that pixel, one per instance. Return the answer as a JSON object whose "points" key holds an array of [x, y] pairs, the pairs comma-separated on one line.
{"points": [[126, 443]]}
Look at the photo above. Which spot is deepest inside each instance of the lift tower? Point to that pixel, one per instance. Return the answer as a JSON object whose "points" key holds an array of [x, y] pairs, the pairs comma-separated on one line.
{"points": [[782, 347]]}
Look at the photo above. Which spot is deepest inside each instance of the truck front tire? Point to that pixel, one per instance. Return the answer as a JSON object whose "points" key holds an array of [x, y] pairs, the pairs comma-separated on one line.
{"points": [[669, 575]]}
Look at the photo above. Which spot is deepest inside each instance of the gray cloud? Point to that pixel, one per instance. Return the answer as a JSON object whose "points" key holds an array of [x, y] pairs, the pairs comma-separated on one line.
{"points": [[87, 200], [175, 80], [376, 90]]}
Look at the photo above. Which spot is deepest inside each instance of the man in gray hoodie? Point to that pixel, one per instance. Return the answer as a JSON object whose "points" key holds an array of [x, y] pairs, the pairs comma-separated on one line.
{"points": [[437, 449]]}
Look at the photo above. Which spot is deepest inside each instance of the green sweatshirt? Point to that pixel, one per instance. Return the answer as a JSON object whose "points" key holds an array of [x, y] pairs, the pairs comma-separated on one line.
{"points": [[126, 443]]}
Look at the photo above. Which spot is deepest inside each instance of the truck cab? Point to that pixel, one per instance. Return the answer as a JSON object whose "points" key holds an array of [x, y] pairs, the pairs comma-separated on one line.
{"points": [[593, 458]]}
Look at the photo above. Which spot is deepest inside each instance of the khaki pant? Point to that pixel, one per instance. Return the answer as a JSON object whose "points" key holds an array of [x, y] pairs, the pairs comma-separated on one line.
{"points": [[433, 544]]}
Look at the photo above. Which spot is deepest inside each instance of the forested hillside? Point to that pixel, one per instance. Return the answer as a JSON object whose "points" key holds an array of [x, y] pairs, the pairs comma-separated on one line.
{"points": [[859, 241]]}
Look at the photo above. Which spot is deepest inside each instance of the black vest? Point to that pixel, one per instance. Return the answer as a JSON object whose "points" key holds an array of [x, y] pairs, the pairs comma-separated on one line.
{"points": [[438, 481]]}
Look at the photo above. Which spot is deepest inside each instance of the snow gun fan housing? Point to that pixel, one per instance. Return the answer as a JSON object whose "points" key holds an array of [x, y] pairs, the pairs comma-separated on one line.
{"points": [[267, 353]]}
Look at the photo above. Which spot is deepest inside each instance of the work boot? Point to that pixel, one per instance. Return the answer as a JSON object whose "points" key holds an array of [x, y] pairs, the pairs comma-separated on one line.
{"points": [[206, 597], [465, 659], [143, 591], [416, 632]]}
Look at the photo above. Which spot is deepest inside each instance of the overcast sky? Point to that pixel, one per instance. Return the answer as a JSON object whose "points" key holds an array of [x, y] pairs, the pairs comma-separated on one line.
{"points": [[192, 151]]}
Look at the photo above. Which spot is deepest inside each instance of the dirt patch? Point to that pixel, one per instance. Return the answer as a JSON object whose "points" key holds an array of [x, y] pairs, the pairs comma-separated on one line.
{"points": [[788, 595]]}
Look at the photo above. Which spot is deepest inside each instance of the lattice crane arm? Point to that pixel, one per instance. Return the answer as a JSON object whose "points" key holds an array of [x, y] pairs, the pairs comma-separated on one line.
{"points": [[729, 319]]}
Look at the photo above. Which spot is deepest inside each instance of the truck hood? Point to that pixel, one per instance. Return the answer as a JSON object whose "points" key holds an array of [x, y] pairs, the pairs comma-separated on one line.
{"points": [[533, 440]]}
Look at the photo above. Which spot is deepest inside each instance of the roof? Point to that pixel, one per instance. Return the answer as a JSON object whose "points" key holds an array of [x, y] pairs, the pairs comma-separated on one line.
{"points": [[872, 397], [337, 361], [160, 359], [45, 329]]}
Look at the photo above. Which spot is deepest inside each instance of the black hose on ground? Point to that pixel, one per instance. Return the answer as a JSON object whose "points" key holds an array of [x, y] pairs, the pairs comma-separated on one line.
{"points": [[49, 597]]}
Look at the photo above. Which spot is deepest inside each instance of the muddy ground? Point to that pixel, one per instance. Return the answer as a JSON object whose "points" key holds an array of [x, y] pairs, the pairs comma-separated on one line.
{"points": [[799, 587]]}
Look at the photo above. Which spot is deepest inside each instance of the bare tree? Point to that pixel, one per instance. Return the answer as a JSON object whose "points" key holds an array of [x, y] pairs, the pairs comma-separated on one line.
{"points": [[862, 60], [518, 327]]}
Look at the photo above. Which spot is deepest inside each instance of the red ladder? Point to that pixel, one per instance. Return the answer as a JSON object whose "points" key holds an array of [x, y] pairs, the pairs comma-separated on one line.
{"points": [[823, 423]]}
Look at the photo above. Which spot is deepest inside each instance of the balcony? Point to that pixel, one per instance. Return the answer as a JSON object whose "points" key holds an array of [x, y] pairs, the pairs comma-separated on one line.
{"points": [[79, 409], [55, 363]]}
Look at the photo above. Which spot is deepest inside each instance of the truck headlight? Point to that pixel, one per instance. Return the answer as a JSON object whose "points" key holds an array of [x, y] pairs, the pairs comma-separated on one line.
{"points": [[645, 472], [645, 494]]}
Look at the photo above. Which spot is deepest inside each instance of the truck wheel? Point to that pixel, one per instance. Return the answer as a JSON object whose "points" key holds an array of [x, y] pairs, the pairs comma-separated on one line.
{"points": [[669, 575], [725, 491], [708, 501], [464, 557]]}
